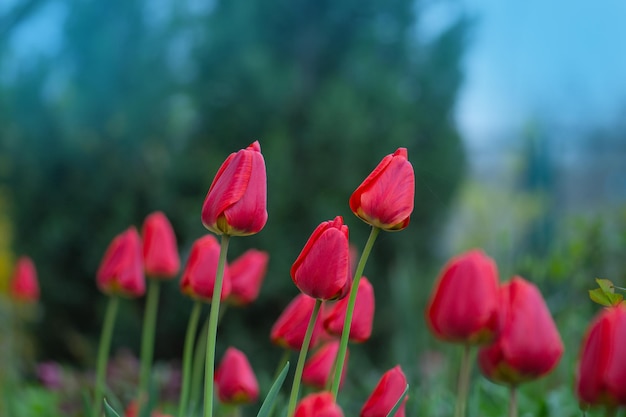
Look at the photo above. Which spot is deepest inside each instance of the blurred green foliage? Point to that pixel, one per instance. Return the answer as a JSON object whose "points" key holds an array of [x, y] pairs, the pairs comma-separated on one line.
{"points": [[143, 101]]}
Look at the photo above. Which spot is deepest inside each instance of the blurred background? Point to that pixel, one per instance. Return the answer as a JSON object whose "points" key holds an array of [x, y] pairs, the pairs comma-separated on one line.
{"points": [[514, 116]]}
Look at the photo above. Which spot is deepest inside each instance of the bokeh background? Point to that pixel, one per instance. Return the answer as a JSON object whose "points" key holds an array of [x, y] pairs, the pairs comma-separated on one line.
{"points": [[513, 115]]}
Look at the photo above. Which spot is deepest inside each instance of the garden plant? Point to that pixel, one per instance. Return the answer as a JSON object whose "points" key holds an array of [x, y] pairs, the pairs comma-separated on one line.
{"points": [[505, 325]]}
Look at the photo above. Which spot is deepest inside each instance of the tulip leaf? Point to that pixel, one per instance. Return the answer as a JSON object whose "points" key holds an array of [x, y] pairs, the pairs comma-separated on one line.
{"points": [[605, 294], [109, 411], [398, 403], [268, 403]]}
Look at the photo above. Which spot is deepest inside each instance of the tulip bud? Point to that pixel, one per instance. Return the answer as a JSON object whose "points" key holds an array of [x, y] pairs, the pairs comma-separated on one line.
{"points": [[322, 269], [290, 328], [246, 276], [235, 380], [386, 394], [385, 198], [320, 404], [24, 286], [318, 369], [515, 356], [160, 252], [601, 376], [121, 268], [463, 306], [199, 275], [363, 317], [236, 202]]}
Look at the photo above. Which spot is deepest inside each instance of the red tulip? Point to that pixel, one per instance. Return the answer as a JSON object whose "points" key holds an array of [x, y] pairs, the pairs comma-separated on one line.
{"points": [[24, 285], [199, 275], [160, 252], [601, 376], [386, 394], [246, 276], [318, 368], [236, 202], [464, 304], [121, 269], [320, 404], [361, 327], [529, 345], [385, 198], [235, 380], [323, 267], [289, 329]]}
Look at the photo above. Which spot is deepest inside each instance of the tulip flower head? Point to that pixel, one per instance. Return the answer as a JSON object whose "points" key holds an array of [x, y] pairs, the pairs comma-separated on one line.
{"points": [[199, 275], [236, 202], [386, 394], [361, 328], [320, 404], [322, 270], [160, 252], [463, 306], [601, 376], [386, 198], [318, 368], [515, 356], [24, 285], [290, 328], [121, 268], [246, 276], [235, 380]]}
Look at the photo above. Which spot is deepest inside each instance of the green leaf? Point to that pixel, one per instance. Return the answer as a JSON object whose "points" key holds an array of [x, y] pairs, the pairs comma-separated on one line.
{"points": [[605, 294], [109, 411], [398, 403], [268, 403]]}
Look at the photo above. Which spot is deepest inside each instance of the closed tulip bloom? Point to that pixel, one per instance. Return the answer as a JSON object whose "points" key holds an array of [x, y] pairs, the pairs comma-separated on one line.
{"points": [[121, 268], [199, 275], [385, 198], [322, 270], [528, 345], [289, 329], [318, 368], [236, 202], [463, 306], [386, 394], [235, 380], [320, 404], [24, 285], [361, 328], [160, 252], [246, 276], [601, 376]]}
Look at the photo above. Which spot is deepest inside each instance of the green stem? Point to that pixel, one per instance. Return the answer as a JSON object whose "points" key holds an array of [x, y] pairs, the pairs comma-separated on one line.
{"points": [[192, 327], [212, 335], [513, 402], [295, 388], [611, 411], [463, 387], [347, 323], [147, 342], [103, 353], [199, 357]]}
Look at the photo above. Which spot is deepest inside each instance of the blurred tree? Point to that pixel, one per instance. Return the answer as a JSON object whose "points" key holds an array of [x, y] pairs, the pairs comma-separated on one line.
{"points": [[144, 101]]}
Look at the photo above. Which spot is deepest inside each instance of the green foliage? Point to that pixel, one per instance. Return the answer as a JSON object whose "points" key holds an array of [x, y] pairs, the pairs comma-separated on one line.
{"points": [[109, 411], [605, 294]]}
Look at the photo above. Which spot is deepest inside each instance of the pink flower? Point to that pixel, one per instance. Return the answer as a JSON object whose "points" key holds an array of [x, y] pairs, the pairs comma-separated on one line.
{"points": [[246, 276], [289, 329], [160, 252], [363, 317], [121, 269], [198, 278], [236, 202], [235, 380], [320, 404], [386, 395], [24, 286], [318, 368]]}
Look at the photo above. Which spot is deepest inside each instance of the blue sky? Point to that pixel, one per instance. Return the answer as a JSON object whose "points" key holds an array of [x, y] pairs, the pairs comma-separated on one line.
{"points": [[561, 61]]}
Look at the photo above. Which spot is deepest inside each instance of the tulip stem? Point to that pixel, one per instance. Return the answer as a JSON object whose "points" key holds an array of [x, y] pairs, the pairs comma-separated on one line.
{"points": [[611, 411], [513, 402], [463, 386], [103, 353], [212, 335], [347, 323], [295, 388], [147, 342], [192, 328]]}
